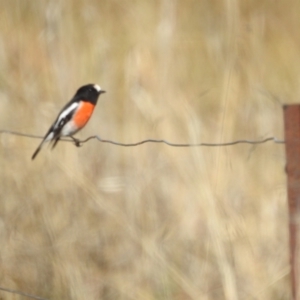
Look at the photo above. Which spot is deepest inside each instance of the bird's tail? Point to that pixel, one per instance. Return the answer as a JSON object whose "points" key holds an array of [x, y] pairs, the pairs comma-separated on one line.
{"points": [[55, 140], [47, 138], [38, 150]]}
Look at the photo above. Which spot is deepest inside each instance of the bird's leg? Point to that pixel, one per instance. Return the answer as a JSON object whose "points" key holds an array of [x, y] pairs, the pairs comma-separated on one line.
{"points": [[76, 141]]}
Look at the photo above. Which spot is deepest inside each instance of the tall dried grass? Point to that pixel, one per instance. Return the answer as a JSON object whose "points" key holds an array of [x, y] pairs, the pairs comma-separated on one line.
{"points": [[150, 222]]}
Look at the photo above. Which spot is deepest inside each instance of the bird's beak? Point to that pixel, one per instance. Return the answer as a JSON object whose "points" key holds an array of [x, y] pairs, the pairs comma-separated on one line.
{"points": [[102, 92]]}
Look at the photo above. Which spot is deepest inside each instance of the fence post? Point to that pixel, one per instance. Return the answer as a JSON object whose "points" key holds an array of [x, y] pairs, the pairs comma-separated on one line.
{"points": [[292, 148]]}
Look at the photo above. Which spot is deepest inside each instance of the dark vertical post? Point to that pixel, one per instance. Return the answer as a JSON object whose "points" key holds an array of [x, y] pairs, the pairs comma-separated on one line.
{"points": [[292, 148]]}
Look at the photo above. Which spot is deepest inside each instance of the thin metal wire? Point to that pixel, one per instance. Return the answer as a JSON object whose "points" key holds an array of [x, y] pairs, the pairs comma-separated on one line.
{"points": [[21, 134], [275, 140], [21, 293], [80, 142]]}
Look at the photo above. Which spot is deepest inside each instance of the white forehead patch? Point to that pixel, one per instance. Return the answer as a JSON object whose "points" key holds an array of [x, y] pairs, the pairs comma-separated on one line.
{"points": [[97, 87]]}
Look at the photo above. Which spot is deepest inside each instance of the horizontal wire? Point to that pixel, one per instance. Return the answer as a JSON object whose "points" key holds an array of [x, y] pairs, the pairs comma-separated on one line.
{"points": [[275, 140], [80, 142], [21, 293]]}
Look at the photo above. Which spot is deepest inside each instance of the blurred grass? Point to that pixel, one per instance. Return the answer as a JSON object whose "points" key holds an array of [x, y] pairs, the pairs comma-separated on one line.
{"points": [[150, 222]]}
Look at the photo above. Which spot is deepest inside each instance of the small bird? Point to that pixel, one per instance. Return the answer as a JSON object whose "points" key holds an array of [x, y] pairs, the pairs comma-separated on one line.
{"points": [[74, 115]]}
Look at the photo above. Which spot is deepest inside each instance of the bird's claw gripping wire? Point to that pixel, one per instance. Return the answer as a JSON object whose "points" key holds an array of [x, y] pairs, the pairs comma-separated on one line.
{"points": [[77, 142]]}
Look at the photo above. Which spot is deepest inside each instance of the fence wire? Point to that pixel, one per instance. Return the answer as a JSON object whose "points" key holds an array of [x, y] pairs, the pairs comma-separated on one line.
{"points": [[79, 143], [21, 293]]}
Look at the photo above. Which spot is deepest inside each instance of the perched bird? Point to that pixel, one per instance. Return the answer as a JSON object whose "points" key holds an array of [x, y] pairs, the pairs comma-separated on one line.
{"points": [[74, 115]]}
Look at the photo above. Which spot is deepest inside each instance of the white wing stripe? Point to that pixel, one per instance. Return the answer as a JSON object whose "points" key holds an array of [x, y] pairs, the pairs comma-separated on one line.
{"points": [[66, 112]]}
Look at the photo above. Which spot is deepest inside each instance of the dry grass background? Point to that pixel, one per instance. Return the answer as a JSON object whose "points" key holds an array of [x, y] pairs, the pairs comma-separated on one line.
{"points": [[149, 222]]}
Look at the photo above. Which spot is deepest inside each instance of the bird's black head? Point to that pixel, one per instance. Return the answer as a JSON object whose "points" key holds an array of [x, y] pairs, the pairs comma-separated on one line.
{"points": [[89, 92]]}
